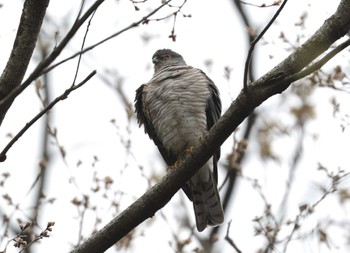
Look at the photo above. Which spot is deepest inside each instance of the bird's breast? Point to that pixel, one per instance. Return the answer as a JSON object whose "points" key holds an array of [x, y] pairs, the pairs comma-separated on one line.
{"points": [[176, 105]]}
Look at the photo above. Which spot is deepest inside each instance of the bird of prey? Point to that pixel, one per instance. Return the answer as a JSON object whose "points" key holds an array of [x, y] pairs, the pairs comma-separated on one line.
{"points": [[177, 107]]}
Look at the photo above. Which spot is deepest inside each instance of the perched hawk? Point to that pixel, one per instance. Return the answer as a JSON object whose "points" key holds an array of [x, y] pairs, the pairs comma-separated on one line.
{"points": [[177, 107]]}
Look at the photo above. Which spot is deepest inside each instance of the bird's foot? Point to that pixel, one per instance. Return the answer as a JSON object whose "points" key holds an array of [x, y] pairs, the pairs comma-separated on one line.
{"points": [[189, 150], [172, 167]]}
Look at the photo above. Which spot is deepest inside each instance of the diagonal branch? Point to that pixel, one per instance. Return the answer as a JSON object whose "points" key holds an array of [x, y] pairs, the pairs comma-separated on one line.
{"points": [[319, 64], [255, 41], [63, 96], [32, 17], [47, 61], [49, 106], [272, 83], [43, 66], [86, 49]]}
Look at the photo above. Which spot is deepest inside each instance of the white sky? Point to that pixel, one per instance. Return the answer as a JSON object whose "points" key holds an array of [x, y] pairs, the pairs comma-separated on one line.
{"points": [[213, 32]]}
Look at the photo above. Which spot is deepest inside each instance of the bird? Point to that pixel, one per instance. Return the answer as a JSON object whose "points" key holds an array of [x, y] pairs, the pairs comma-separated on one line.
{"points": [[177, 108]]}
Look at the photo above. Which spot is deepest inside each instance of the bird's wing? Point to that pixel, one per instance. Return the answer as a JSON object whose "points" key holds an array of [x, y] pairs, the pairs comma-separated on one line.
{"points": [[144, 118], [213, 113], [206, 199], [213, 109]]}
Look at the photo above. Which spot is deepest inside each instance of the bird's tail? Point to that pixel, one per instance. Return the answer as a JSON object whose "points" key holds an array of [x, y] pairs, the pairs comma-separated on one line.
{"points": [[206, 199]]}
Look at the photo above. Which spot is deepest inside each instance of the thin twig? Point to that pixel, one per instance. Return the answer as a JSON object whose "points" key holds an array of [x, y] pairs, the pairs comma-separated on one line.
{"points": [[292, 172], [40, 114], [317, 65], [237, 156], [38, 71], [80, 10], [82, 48], [133, 25], [41, 180], [229, 240], [252, 46], [261, 5], [62, 97]]}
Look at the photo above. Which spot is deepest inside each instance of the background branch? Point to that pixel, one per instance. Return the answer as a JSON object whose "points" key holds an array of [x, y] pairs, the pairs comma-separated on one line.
{"points": [[133, 25], [51, 105], [235, 159], [27, 33], [43, 66], [63, 96], [255, 41], [10, 96]]}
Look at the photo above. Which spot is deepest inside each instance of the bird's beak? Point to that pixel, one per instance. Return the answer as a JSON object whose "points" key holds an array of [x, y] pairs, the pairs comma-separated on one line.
{"points": [[155, 60]]}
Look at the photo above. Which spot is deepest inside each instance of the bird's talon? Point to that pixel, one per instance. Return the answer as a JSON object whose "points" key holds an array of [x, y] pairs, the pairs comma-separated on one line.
{"points": [[189, 150], [172, 167]]}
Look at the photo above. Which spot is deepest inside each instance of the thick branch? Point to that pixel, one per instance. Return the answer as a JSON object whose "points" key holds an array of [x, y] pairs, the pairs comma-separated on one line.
{"points": [[274, 82], [32, 17], [12, 94]]}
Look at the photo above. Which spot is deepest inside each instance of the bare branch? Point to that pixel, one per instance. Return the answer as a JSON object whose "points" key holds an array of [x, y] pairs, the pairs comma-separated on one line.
{"points": [[42, 178], [40, 114], [32, 17], [256, 40], [46, 62], [317, 65], [276, 2], [19, 239], [306, 210], [133, 25], [82, 47], [62, 97], [229, 239], [235, 159]]}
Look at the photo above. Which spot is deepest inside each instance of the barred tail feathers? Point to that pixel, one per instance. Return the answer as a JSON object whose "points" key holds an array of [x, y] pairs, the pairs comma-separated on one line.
{"points": [[206, 199]]}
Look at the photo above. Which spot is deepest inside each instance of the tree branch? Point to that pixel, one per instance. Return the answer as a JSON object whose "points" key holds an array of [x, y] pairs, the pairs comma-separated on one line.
{"points": [[63, 96], [28, 29], [12, 94], [319, 64], [43, 66], [236, 157], [229, 239], [255, 41], [274, 82], [133, 25]]}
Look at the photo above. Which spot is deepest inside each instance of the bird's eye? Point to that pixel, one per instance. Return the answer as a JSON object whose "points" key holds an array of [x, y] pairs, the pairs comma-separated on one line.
{"points": [[167, 56]]}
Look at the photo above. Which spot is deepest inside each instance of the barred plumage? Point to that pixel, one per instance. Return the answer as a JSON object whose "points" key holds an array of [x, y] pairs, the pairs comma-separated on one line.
{"points": [[177, 108]]}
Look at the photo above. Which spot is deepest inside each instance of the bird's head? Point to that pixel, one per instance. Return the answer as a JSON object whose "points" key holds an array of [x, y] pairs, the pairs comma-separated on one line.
{"points": [[166, 57]]}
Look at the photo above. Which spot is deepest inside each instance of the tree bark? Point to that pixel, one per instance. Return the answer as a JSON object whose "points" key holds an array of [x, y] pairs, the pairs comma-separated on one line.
{"points": [[32, 17]]}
